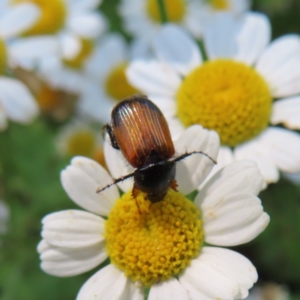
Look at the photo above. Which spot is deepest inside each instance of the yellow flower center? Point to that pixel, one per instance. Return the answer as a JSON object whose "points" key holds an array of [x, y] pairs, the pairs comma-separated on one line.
{"points": [[220, 4], [81, 143], [226, 96], [87, 47], [175, 10], [52, 19], [117, 85], [3, 56], [48, 99], [153, 242]]}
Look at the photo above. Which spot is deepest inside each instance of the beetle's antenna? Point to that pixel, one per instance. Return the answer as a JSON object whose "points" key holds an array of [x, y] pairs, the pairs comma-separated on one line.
{"points": [[185, 155], [99, 190]]}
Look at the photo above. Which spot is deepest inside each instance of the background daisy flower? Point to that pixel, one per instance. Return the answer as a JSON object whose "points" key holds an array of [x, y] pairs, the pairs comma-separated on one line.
{"points": [[74, 22], [76, 241], [247, 85], [78, 137], [142, 17], [107, 83]]}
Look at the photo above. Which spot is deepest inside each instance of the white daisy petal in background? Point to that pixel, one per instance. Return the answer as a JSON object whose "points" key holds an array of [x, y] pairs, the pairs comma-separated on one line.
{"points": [[107, 83], [269, 291], [72, 21], [142, 17], [235, 91], [4, 217], [16, 101], [75, 241]]}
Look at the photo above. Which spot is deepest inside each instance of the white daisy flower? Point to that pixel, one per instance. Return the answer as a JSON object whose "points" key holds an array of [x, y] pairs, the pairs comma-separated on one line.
{"points": [[233, 91], [79, 138], [142, 17], [74, 23], [107, 83], [160, 246]]}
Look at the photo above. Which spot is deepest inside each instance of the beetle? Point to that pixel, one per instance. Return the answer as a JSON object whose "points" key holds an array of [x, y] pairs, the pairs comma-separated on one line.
{"points": [[140, 131]]}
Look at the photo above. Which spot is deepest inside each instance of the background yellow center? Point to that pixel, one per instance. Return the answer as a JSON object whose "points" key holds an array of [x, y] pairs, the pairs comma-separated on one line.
{"points": [[226, 96], [175, 10], [52, 19], [117, 85], [3, 56], [87, 47], [220, 4]]}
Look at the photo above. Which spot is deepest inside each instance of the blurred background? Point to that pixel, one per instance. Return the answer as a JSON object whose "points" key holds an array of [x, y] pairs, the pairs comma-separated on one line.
{"points": [[31, 158]]}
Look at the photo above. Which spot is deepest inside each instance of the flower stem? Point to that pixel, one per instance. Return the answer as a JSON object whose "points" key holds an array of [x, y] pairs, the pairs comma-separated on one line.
{"points": [[162, 11]]}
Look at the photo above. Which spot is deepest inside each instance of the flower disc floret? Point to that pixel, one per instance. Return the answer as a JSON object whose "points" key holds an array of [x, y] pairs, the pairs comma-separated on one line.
{"points": [[220, 4], [117, 85], [227, 96], [3, 56], [153, 242], [87, 47], [175, 10], [52, 19]]}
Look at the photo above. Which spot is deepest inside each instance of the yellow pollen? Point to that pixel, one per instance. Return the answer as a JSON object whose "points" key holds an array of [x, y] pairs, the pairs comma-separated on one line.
{"points": [[117, 85], [52, 19], [147, 241], [3, 56], [81, 143], [175, 10], [226, 96], [220, 4], [87, 47]]}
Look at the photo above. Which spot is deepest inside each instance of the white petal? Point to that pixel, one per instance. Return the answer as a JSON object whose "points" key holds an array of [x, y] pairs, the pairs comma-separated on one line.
{"points": [[3, 120], [17, 101], [17, 19], [64, 262], [242, 39], [33, 48], [94, 103], [140, 48], [284, 148], [109, 283], [170, 289], [280, 66], [82, 178], [238, 177], [259, 153], [118, 166], [287, 111], [73, 228], [174, 46], [109, 53], [225, 157], [88, 26], [70, 45], [234, 220], [153, 78], [165, 104], [219, 274], [193, 170]]}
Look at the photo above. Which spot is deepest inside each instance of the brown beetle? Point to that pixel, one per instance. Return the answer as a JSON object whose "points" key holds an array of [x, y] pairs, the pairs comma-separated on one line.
{"points": [[139, 129]]}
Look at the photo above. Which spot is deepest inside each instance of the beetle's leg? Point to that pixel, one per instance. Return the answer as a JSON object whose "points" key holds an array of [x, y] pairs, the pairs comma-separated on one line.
{"points": [[135, 192], [174, 185]]}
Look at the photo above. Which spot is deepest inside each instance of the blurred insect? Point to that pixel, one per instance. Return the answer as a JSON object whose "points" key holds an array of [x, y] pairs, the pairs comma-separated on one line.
{"points": [[139, 129]]}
